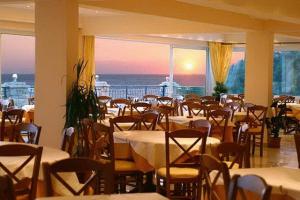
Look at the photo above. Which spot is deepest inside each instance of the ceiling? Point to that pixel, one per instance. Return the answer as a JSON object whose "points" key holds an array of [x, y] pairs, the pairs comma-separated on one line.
{"points": [[126, 24]]}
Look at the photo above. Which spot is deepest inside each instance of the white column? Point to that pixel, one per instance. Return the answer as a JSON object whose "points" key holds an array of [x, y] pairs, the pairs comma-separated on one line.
{"points": [[259, 68], [56, 30], [171, 71]]}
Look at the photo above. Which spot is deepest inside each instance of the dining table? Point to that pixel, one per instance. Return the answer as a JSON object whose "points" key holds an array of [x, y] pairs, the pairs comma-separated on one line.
{"points": [[49, 155], [285, 181], [147, 148], [135, 196]]}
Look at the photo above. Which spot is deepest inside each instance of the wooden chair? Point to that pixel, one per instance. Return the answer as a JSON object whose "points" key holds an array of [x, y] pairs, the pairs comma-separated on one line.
{"points": [[231, 153], [243, 138], [168, 101], [25, 186], [211, 108], [139, 108], [124, 167], [123, 123], [219, 120], [234, 106], [211, 189], [68, 140], [258, 115], [93, 168], [150, 97], [7, 191], [10, 119], [297, 143], [244, 186], [87, 136], [183, 106], [196, 109], [149, 120], [122, 104], [164, 113], [184, 176], [209, 103], [192, 96], [27, 133]]}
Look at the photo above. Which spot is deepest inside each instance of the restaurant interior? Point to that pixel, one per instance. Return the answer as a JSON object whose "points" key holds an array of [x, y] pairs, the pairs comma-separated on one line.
{"points": [[71, 142]]}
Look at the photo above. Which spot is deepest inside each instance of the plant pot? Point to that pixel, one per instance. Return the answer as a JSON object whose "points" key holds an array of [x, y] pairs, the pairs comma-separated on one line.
{"points": [[274, 142]]}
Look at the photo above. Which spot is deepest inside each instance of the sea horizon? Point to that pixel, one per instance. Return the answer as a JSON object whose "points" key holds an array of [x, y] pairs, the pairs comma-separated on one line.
{"points": [[125, 79]]}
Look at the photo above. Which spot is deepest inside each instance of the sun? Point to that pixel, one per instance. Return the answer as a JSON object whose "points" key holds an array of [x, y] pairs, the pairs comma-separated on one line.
{"points": [[188, 66]]}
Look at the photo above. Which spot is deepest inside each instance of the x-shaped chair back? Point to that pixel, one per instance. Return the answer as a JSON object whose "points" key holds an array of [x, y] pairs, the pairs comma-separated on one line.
{"points": [[168, 101], [258, 115], [122, 104], [139, 107], [188, 151], [30, 131], [234, 106], [219, 120], [150, 97], [13, 117], [23, 185], [93, 168], [149, 120], [208, 165], [196, 109], [131, 122]]}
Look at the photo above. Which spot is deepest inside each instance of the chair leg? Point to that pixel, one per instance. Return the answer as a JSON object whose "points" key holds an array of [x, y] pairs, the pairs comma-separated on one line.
{"points": [[253, 144], [261, 145]]}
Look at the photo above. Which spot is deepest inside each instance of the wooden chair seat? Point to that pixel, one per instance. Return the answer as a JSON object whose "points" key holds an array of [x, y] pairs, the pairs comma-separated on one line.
{"points": [[125, 165], [177, 172]]}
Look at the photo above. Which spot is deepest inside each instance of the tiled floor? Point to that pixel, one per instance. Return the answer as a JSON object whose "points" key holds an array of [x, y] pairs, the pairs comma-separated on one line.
{"points": [[285, 156]]}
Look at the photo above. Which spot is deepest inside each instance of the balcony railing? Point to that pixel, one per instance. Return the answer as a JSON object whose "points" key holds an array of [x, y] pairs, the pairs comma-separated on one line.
{"points": [[20, 95]]}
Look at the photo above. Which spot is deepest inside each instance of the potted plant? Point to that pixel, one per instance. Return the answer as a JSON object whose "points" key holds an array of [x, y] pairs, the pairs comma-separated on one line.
{"points": [[219, 89], [81, 103], [275, 124]]}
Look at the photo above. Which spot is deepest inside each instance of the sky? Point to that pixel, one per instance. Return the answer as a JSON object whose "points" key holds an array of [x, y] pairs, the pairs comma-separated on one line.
{"points": [[111, 57]]}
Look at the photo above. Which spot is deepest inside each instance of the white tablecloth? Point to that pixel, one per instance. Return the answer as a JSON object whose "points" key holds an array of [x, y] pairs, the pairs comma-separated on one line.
{"points": [[136, 196], [151, 145], [283, 180]]}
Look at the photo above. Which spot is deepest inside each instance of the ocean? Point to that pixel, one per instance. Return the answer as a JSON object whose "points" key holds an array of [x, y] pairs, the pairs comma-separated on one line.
{"points": [[126, 79]]}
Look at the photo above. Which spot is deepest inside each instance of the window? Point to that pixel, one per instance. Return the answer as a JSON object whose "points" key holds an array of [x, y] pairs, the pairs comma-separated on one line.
{"points": [[236, 75], [286, 73]]}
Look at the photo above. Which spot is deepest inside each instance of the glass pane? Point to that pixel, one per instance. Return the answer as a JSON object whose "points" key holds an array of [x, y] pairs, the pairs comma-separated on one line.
{"points": [[131, 69], [236, 75], [189, 71]]}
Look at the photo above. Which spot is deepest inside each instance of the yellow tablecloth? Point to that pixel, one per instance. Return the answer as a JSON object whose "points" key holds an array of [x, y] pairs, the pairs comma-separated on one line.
{"points": [[149, 147]]}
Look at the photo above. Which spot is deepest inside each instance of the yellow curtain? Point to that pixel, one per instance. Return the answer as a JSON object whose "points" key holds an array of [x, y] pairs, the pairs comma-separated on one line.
{"points": [[220, 55], [88, 55]]}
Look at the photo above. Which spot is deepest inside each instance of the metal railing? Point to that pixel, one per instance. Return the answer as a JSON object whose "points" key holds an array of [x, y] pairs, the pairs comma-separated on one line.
{"points": [[20, 95]]}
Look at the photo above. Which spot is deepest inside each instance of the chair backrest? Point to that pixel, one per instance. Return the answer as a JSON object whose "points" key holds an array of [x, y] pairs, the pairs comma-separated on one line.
{"points": [[211, 102], [198, 144], [183, 106], [93, 168], [68, 140], [208, 98], [12, 117], [27, 133], [233, 152], [150, 97], [192, 96], [149, 120], [120, 103], [103, 101], [130, 122], [297, 142], [201, 124], [196, 109], [168, 101], [219, 120], [211, 108], [7, 191], [139, 108], [247, 185], [87, 135], [209, 165], [164, 113], [24, 185], [258, 115], [234, 106]]}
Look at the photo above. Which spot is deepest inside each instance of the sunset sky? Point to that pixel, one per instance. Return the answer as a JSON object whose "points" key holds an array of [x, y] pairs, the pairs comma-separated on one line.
{"points": [[112, 57]]}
